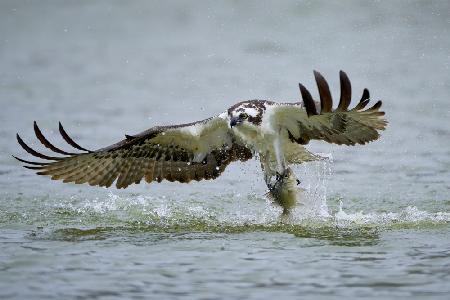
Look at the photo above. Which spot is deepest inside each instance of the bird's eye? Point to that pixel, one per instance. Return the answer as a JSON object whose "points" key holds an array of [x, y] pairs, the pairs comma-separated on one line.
{"points": [[243, 116]]}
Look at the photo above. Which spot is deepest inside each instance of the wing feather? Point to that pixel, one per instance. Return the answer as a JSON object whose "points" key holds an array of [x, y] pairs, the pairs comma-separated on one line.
{"points": [[186, 152], [346, 92], [150, 169], [326, 102], [96, 168], [341, 126]]}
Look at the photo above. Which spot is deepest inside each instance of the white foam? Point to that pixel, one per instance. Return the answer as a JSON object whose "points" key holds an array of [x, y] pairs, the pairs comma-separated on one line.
{"points": [[243, 211], [410, 214], [240, 209]]}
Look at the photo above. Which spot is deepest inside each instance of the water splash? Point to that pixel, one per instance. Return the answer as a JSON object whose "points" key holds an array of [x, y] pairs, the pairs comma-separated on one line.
{"points": [[226, 212], [167, 216], [239, 210], [315, 177], [410, 216], [252, 211]]}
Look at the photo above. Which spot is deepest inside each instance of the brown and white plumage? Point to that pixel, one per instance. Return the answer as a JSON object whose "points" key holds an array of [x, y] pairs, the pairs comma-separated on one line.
{"points": [[174, 153], [203, 149], [340, 126]]}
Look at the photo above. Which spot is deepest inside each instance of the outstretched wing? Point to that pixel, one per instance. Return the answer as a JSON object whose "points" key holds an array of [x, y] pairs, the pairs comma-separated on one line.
{"points": [[345, 126], [195, 151]]}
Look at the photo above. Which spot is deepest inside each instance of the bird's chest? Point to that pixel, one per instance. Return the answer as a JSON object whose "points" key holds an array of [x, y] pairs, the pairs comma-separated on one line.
{"points": [[257, 138]]}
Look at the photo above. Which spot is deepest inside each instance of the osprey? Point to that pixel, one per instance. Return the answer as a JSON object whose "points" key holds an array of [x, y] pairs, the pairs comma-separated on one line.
{"points": [[274, 132]]}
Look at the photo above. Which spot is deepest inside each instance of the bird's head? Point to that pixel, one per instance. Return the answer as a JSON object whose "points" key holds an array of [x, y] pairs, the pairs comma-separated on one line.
{"points": [[247, 113]]}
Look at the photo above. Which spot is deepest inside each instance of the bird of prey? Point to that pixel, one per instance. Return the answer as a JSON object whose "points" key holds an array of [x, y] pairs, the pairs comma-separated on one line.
{"points": [[274, 132]]}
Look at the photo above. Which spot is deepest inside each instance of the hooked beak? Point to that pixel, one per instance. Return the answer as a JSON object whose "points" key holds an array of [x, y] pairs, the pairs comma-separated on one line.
{"points": [[234, 121]]}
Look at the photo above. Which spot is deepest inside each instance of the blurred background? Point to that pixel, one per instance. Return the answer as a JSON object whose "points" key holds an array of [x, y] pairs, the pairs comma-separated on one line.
{"points": [[106, 68]]}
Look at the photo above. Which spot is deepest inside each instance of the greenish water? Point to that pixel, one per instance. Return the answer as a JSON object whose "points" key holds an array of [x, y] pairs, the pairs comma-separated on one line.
{"points": [[374, 221]]}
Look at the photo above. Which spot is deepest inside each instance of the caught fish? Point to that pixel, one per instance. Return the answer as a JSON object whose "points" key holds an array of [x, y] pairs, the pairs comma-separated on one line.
{"points": [[284, 191]]}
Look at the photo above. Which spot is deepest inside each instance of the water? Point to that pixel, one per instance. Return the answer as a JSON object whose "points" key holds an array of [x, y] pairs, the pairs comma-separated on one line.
{"points": [[375, 221]]}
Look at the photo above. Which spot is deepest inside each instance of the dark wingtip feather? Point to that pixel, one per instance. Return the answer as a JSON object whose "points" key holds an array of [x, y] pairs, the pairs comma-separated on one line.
{"points": [[376, 106], [33, 168], [30, 162], [69, 140], [326, 101], [365, 95], [46, 142], [346, 91], [308, 101], [361, 104], [34, 152]]}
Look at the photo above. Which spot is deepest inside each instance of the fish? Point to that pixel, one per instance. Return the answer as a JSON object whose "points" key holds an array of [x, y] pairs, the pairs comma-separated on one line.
{"points": [[284, 191]]}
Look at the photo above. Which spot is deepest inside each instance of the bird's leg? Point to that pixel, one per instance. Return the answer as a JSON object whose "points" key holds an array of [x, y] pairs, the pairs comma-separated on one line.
{"points": [[266, 167], [279, 155]]}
